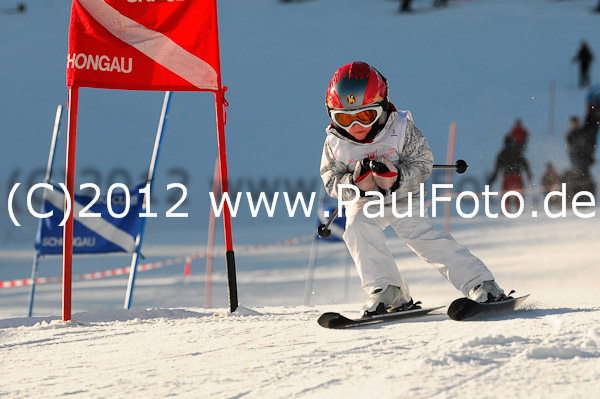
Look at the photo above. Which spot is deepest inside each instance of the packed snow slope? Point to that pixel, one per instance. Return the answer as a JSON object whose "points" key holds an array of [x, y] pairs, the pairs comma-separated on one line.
{"points": [[549, 349]]}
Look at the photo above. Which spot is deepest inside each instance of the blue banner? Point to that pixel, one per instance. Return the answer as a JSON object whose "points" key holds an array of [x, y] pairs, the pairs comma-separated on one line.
{"points": [[92, 235]]}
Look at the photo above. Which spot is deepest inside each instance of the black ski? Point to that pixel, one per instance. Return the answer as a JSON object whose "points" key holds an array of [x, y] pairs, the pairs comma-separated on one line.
{"points": [[336, 320], [466, 309]]}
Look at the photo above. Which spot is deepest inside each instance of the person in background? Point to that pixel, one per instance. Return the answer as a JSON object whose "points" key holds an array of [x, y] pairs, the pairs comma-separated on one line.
{"points": [[519, 134], [585, 58], [582, 145], [405, 5], [511, 163], [577, 142]]}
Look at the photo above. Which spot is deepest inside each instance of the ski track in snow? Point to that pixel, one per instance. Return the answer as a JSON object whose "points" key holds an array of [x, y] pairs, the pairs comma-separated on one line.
{"points": [[548, 348], [284, 353]]}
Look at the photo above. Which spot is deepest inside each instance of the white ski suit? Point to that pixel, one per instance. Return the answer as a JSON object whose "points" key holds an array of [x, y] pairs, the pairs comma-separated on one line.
{"points": [[403, 144]]}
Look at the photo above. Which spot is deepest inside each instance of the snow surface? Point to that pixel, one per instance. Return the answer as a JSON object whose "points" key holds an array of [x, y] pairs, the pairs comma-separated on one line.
{"points": [[480, 63], [549, 349]]}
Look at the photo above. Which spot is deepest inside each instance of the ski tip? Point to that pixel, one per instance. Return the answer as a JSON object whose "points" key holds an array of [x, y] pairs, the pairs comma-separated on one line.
{"points": [[465, 308], [332, 320], [460, 308]]}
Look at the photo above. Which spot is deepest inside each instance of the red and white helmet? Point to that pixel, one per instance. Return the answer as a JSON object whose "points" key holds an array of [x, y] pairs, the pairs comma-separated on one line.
{"points": [[357, 86]]}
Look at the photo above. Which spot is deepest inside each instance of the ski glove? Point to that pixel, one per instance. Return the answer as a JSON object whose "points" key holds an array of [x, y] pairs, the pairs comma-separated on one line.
{"points": [[385, 173], [363, 178]]}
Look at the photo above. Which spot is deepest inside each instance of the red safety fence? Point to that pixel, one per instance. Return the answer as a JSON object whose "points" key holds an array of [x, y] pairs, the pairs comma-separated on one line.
{"points": [[153, 265]]}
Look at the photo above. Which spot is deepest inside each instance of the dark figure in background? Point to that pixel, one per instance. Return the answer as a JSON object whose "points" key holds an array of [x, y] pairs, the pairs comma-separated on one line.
{"points": [[405, 5], [582, 144], [440, 3], [511, 162], [584, 57], [551, 182], [519, 134], [586, 140], [577, 148]]}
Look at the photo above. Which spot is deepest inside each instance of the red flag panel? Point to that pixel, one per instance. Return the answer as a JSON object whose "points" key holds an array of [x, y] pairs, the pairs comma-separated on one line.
{"points": [[144, 45]]}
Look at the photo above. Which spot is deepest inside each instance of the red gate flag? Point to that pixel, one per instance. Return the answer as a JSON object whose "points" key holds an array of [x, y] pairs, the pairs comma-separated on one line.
{"points": [[144, 45], [158, 45]]}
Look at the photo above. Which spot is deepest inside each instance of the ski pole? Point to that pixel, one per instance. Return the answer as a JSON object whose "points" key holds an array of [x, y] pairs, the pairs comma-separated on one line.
{"points": [[323, 230]]}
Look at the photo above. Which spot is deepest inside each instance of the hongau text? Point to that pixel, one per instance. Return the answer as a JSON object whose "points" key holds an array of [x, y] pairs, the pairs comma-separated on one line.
{"points": [[102, 63]]}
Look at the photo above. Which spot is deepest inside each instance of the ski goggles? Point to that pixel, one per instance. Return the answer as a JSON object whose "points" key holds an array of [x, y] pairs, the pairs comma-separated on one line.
{"points": [[365, 117]]}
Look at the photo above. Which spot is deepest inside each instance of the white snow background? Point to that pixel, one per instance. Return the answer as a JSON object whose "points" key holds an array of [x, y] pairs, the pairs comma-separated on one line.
{"points": [[478, 63]]}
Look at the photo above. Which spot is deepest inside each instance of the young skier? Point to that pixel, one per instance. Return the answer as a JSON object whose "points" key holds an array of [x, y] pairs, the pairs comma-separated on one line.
{"points": [[373, 146]]}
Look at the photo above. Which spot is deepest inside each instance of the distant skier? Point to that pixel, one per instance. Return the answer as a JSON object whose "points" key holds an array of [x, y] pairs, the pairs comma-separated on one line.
{"points": [[519, 134], [580, 148], [372, 146], [585, 58], [405, 5], [511, 163], [582, 144]]}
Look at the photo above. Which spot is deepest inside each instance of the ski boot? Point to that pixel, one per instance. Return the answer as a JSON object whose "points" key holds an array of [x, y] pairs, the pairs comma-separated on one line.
{"points": [[487, 291], [391, 299]]}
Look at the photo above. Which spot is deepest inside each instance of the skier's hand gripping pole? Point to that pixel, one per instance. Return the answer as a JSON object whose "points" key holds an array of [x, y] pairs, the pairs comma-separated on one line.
{"points": [[323, 230]]}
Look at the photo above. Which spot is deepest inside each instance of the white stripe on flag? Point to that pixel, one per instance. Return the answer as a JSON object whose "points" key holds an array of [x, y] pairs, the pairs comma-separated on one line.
{"points": [[154, 44], [98, 225]]}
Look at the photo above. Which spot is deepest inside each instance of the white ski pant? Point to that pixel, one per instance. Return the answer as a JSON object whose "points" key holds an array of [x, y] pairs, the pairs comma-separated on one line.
{"points": [[376, 267]]}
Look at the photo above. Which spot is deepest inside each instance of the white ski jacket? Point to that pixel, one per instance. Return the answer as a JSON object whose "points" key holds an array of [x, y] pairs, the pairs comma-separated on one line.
{"points": [[399, 141]]}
